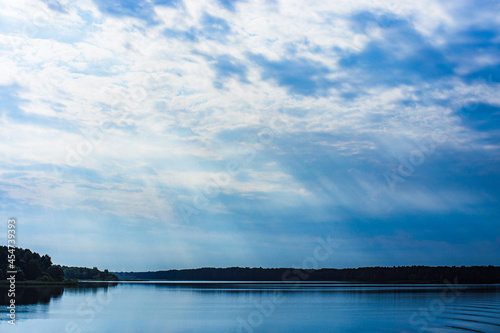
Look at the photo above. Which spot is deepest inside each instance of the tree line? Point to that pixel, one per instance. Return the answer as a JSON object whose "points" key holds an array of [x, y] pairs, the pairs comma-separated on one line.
{"points": [[31, 266], [400, 274], [83, 273], [28, 265]]}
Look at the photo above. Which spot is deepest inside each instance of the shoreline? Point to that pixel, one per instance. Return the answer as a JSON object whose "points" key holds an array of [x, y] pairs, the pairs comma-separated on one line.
{"points": [[40, 283]]}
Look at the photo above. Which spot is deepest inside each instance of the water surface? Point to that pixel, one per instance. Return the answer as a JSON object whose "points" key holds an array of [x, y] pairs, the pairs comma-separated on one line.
{"points": [[255, 307]]}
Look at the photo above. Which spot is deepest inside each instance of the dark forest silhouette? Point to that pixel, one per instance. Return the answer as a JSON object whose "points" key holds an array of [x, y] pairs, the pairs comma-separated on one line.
{"points": [[31, 266], [408, 274], [28, 265], [83, 273]]}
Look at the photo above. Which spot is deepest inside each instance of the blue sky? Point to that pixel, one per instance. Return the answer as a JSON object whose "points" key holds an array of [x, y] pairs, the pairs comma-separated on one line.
{"points": [[147, 135]]}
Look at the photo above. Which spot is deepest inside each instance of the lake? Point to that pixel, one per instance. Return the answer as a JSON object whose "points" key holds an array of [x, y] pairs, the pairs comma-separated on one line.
{"points": [[254, 307]]}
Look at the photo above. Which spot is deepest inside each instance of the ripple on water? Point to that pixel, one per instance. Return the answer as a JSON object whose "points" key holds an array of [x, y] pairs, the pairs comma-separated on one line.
{"points": [[478, 316]]}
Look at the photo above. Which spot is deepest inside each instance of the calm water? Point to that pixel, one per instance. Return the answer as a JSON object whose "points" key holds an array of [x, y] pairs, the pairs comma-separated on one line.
{"points": [[248, 307]]}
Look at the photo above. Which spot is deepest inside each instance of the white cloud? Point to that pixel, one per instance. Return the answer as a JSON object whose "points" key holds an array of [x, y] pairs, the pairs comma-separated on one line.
{"points": [[119, 70]]}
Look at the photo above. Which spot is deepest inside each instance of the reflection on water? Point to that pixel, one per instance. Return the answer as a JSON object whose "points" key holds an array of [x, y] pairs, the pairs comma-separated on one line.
{"points": [[40, 294], [32, 294], [256, 307]]}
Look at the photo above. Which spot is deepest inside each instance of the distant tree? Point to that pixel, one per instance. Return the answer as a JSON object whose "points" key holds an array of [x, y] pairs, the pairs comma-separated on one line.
{"points": [[26, 255], [56, 272], [83, 273], [20, 274], [45, 262], [33, 270]]}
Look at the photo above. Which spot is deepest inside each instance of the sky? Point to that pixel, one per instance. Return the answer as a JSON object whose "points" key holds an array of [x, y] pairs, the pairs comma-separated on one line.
{"points": [[170, 134]]}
